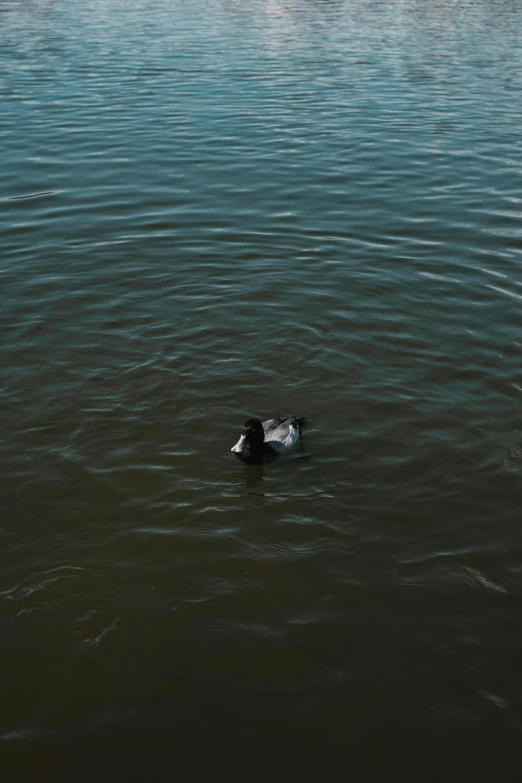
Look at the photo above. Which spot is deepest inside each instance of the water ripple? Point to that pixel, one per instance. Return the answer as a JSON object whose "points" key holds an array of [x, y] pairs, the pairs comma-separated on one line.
{"points": [[213, 211]]}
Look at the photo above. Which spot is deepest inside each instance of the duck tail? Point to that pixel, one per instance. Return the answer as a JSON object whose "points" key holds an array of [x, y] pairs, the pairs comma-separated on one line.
{"points": [[300, 421]]}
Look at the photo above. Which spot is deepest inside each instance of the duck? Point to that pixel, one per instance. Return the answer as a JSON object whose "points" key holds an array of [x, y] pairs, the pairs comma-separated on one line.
{"points": [[266, 441]]}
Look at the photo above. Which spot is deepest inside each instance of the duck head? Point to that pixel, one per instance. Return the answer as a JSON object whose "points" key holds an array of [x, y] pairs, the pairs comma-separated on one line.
{"points": [[251, 439]]}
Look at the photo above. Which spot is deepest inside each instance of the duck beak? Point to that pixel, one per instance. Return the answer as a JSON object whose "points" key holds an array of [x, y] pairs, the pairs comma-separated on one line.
{"points": [[240, 445]]}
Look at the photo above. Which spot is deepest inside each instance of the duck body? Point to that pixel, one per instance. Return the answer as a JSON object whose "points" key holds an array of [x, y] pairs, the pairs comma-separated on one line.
{"points": [[262, 442]]}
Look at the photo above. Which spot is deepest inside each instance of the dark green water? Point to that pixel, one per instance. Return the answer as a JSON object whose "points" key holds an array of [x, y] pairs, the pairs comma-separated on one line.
{"points": [[214, 210]]}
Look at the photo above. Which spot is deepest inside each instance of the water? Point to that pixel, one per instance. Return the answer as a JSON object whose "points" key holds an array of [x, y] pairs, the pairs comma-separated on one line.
{"points": [[212, 210]]}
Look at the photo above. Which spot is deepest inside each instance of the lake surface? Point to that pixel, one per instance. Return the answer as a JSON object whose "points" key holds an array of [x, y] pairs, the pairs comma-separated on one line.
{"points": [[212, 210]]}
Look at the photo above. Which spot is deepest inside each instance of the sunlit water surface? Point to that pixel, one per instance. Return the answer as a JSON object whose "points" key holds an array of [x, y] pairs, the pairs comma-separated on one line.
{"points": [[212, 210]]}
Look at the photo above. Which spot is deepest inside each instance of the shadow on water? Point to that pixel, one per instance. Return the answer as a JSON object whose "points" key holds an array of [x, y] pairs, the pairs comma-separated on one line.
{"points": [[253, 476]]}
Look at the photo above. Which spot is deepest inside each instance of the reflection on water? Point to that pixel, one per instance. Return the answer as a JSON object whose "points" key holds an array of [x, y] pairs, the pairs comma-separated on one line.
{"points": [[212, 210], [253, 477]]}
